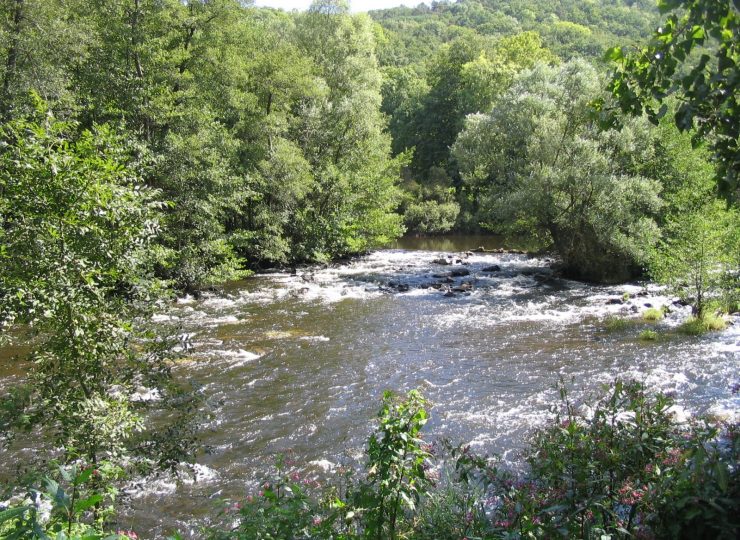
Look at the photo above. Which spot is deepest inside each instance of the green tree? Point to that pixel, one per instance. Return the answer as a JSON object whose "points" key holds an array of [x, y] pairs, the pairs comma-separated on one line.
{"points": [[541, 167], [706, 87], [172, 79], [698, 253], [465, 77], [75, 227], [341, 134], [39, 41]]}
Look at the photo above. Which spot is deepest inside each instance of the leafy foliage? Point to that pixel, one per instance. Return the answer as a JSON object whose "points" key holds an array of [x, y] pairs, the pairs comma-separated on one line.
{"points": [[706, 86], [699, 253], [79, 500], [396, 476], [76, 224], [540, 166], [619, 466]]}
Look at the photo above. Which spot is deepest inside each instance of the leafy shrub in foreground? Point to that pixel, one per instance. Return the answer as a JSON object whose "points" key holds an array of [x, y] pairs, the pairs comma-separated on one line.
{"points": [[625, 469], [621, 468]]}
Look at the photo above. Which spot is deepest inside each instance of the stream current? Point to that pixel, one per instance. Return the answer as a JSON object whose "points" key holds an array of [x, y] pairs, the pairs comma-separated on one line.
{"points": [[299, 362]]}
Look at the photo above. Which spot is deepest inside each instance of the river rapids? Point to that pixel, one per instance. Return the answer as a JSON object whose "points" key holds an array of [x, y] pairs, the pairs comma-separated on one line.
{"points": [[298, 363]]}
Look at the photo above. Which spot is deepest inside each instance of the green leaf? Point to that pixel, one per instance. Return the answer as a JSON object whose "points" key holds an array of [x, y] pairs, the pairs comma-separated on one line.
{"points": [[57, 494], [84, 504], [11, 513], [83, 477], [614, 54], [697, 32]]}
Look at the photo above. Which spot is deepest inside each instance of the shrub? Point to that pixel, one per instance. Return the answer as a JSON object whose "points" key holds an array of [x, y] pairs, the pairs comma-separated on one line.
{"points": [[627, 470], [624, 469], [78, 498], [694, 326], [431, 216]]}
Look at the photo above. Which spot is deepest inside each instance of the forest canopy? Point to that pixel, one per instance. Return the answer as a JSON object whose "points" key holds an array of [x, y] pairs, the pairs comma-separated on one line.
{"points": [[155, 148]]}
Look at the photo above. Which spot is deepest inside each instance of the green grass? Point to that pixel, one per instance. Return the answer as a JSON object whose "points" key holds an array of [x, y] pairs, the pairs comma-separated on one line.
{"points": [[648, 335], [708, 323], [652, 314], [613, 323]]}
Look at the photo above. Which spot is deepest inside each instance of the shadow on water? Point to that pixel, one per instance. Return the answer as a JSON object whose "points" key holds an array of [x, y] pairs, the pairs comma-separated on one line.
{"points": [[459, 243]]}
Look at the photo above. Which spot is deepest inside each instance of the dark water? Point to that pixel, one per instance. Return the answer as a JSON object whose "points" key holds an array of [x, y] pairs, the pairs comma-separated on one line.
{"points": [[299, 363], [453, 243]]}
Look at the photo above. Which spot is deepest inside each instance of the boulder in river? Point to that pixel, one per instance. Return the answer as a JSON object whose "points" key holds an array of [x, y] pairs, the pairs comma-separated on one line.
{"points": [[614, 301], [492, 268], [463, 287], [441, 261], [459, 272]]}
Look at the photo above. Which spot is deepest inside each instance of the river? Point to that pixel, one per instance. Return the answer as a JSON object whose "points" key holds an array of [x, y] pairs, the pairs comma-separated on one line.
{"points": [[299, 362]]}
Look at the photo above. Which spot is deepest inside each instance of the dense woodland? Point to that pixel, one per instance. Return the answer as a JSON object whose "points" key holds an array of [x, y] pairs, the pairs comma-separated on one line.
{"points": [[150, 147], [276, 138]]}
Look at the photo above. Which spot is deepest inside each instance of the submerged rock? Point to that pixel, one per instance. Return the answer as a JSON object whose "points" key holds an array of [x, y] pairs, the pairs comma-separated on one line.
{"points": [[492, 268], [459, 272], [463, 287]]}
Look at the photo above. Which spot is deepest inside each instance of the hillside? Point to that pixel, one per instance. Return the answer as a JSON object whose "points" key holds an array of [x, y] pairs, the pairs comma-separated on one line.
{"points": [[568, 27]]}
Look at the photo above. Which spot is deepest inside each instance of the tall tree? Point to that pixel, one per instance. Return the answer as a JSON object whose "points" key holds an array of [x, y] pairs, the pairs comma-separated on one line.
{"points": [[542, 168], [75, 228]]}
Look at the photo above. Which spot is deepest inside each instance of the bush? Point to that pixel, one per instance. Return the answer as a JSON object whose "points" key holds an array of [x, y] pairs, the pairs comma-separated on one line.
{"points": [[625, 470], [79, 499], [695, 326], [622, 468], [431, 216]]}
